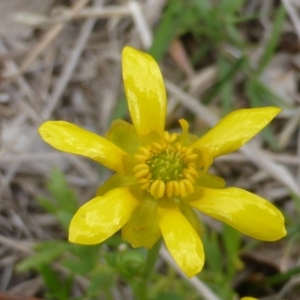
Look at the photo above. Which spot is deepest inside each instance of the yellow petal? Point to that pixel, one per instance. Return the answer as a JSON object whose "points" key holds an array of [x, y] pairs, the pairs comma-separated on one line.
{"points": [[142, 229], [182, 240], [102, 216], [70, 138], [192, 217], [145, 91], [246, 212], [123, 134], [210, 181], [235, 130], [115, 181]]}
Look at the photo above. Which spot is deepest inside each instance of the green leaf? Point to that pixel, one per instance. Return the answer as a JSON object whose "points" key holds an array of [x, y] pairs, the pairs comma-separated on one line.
{"points": [[47, 205], [45, 253], [213, 253], [121, 109], [58, 289], [259, 95], [232, 242], [226, 89], [229, 7], [63, 195], [84, 259], [102, 279], [226, 77], [64, 203], [167, 29], [272, 43], [169, 296]]}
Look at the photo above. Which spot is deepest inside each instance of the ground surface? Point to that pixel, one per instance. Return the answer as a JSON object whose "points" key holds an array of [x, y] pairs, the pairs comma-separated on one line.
{"points": [[61, 60]]}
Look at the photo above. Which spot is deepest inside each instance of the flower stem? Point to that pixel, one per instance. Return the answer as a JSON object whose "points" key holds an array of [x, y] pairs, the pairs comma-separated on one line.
{"points": [[140, 287], [151, 259]]}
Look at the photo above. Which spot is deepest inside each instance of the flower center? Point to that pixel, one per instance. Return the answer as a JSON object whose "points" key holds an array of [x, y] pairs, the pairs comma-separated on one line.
{"points": [[166, 168]]}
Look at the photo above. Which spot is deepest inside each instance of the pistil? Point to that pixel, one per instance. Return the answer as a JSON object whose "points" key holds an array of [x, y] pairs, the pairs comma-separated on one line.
{"points": [[166, 168]]}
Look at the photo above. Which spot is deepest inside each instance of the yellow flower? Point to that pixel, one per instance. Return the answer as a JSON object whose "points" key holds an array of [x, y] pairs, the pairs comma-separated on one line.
{"points": [[161, 178]]}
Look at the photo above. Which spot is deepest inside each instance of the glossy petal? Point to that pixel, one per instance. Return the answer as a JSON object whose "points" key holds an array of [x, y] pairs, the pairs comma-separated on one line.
{"points": [[101, 217], [236, 129], [182, 240], [115, 181], [70, 138], [142, 229], [145, 91], [123, 134], [210, 181], [246, 212], [190, 214]]}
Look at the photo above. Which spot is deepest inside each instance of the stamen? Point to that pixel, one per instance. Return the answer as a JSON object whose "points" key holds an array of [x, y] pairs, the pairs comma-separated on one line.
{"points": [[157, 189], [173, 137], [144, 180], [188, 151], [141, 157], [166, 168], [192, 156], [170, 137], [144, 151], [178, 146], [182, 189], [144, 186], [167, 136], [169, 188], [140, 167], [157, 146], [188, 176], [142, 173], [189, 186], [193, 172]]}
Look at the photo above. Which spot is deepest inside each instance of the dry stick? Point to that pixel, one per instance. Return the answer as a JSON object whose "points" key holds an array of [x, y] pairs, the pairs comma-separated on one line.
{"points": [[192, 104], [293, 15], [69, 67], [141, 24], [289, 129], [298, 153], [154, 9], [12, 67], [295, 20], [26, 247], [47, 39], [68, 16], [21, 246], [62, 82], [195, 282], [65, 77], [255, 155], [238, 157]]}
